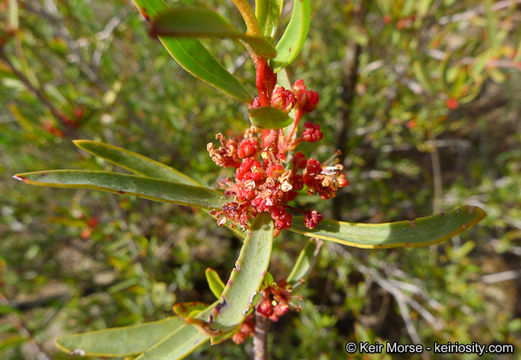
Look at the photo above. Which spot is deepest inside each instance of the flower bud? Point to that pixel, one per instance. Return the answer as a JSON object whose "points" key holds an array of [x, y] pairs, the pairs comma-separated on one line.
{"points": [[309, 101], [312, 218], [299, 161], [283, 99], [265, 308], [311, 132], [247, 148]]}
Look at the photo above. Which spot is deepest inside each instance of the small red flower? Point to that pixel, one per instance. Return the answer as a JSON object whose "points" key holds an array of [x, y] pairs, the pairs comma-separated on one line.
{"points": [[312, 218], [265, 181], [311, 132], [274, 170], [298, 89], [247, 328], [452, 103], [248, 148], [309, 101], [299, 161], [283, 99]]}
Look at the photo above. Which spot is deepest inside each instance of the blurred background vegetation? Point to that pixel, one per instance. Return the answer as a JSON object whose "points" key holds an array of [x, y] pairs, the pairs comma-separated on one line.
{"points": [[423, 97]]}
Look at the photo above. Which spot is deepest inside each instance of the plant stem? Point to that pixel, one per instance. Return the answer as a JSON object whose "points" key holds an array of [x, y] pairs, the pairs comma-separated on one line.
{"points": [[260, 67], [24, 331], [260, 338], [298, 116], [437, 179], [248, 15]]}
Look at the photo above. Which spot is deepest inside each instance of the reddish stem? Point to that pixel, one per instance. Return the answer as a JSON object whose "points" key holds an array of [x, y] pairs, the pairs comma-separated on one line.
{"points": [[298, 116], [261, 66]]}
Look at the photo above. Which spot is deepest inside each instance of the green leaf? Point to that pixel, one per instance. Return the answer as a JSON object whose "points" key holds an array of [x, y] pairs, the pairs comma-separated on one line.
{"points": [[419, 232], [134, 162], [268, 14], [189, 309], [220, 319], [180, 343], [268, 117], [304, 263], [139, 164], [294, 36], [200, 22], [214, 282], [148, 188], [194, 57], [247, 276], [122, 341]]}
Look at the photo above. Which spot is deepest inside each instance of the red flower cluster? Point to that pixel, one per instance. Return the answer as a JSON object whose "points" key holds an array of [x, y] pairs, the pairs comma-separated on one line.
{"points": [[275, 302], [268, 174], [247, 328]]}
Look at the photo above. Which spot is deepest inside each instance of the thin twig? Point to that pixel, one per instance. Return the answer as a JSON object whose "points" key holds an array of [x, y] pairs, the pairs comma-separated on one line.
{"points": [[105, 35], [260, 337], [248, 15], [436, 179], [40, 354], [501, 276]]}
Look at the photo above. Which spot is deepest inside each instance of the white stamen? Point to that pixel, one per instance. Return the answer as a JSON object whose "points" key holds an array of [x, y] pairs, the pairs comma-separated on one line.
{"points": [[286, 186]]}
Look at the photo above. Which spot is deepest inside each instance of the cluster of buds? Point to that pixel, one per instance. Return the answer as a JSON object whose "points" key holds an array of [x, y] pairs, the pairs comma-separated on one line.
{"points": [[268, 173], [245, 331], [274, 303]]}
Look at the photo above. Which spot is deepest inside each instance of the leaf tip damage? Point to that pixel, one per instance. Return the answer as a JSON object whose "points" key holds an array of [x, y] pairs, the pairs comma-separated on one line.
{"points": [[20, 177]]}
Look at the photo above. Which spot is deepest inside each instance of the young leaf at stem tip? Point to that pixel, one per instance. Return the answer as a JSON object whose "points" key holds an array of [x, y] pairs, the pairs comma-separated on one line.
{"points": [[268, 14], [294, 36], [194, 57], [200, 22]]}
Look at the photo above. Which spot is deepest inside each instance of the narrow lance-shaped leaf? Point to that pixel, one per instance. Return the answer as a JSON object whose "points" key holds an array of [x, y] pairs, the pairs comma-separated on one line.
{"points": [[181, 342], [223, 317], [268, 14], [419, 232], [194, 57], [268, 117], [139, 164], [294, 36], [148, 188], [134, 162], [200, 22], [304, 263], [122, 341], [215, 283], [247, 276]]}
